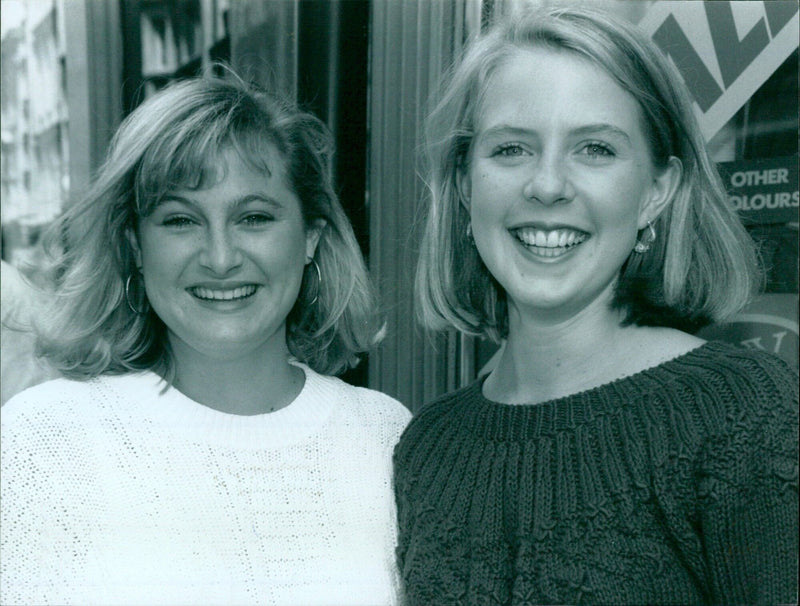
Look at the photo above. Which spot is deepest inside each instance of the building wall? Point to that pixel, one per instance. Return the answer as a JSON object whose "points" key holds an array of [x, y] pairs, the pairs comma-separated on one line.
{"points": [[35, 173]]}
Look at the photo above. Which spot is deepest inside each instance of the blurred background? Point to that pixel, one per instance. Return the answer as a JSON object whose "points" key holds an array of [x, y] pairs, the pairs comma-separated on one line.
{"points": [[73, 69]]}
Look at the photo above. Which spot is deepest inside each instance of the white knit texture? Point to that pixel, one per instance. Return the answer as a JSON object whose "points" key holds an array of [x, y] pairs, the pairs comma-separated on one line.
{"points": [[117, 492]]}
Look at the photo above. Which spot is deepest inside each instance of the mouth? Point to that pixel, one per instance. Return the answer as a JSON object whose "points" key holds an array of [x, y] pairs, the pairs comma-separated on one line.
{"points": [[549, 243], [223, 294]]}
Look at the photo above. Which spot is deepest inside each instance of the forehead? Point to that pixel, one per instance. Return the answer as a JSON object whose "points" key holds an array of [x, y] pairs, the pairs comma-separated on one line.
{"points": [[198, 160], [547, 87], [195, 167], [231, 173], [233, 181], [232, 170], [233, 161]]}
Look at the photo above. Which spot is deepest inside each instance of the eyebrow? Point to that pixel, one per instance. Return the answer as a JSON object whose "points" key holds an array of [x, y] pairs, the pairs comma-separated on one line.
{"points": [[503, 129], [602, 128], [235, 202], [598, 128]]}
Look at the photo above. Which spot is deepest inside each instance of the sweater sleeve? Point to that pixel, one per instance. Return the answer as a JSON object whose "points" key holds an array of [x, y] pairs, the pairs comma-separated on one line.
{"points": [[748, 488]]}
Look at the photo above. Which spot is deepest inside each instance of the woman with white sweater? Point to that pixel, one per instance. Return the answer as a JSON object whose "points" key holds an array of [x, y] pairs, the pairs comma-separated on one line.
{"points": [[198, 450]]}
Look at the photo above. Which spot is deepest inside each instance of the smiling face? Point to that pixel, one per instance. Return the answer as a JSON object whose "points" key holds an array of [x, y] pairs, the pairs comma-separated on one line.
{"points": [[559, 181], [223, 264]]}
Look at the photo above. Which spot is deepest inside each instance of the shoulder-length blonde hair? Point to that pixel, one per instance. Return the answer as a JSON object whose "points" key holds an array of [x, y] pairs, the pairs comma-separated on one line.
{"points": [[703, 266], [172, 141]]}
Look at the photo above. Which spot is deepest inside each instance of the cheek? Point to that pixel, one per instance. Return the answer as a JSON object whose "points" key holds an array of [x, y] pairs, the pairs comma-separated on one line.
{"points": [[285, 253], [624, 206], [492, 193], [485, 182], [164, 263], [162, 259]]}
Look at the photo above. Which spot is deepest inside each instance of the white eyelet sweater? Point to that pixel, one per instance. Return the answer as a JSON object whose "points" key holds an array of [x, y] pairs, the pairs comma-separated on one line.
{"points": [[115, 491]]}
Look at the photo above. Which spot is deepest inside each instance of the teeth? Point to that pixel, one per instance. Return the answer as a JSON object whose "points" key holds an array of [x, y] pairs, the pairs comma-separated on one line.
{"points": [[557, 238], [223, 295]]}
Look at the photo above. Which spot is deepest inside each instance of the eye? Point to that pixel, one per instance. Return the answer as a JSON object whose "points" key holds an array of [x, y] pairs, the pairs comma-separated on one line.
{"points": [[509, 150], [178, 221], [256, 219], [596, 149]]}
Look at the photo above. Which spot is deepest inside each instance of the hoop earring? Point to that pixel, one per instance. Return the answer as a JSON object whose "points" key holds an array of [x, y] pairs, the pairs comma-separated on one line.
{"points": [[643, 245], [319, 281], [128, 298]]}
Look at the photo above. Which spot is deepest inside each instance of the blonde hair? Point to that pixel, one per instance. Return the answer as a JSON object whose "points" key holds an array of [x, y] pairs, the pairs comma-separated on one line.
{"points": [[703, 267], [173, 140]]}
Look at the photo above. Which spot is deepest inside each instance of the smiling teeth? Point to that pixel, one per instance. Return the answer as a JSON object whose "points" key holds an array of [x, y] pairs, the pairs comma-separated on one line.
{"points": [[223, 295], [557, 238]]}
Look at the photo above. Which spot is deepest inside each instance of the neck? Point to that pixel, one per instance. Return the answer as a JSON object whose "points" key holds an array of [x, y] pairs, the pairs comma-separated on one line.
{"points": [[247, 385], [542, 361]]}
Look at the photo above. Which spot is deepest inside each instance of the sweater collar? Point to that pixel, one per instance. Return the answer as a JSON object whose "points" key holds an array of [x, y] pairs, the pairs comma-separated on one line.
{"points": [[176, 413]]}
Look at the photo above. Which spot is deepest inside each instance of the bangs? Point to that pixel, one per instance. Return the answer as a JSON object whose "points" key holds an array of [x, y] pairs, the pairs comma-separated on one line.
{"points": [[190, 157]]}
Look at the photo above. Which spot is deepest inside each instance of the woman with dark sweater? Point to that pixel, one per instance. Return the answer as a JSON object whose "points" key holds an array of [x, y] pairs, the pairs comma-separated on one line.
{"points": [[611, 456]]}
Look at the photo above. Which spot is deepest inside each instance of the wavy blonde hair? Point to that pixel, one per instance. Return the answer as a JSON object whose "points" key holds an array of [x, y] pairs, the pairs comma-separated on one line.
{"points": [[173, 141]]}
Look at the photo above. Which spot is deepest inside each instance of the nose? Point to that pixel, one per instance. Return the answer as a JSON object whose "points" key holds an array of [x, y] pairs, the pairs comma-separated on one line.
{"points": [[548, 183], [220, 252]]}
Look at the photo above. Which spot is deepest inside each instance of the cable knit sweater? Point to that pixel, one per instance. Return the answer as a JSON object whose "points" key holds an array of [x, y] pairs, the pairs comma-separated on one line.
{"points": [[676, 485], [115, 491]]}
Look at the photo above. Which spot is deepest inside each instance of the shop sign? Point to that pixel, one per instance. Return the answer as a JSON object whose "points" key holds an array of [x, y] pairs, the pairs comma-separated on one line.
{"points": [[763, 191], [724, 50]]}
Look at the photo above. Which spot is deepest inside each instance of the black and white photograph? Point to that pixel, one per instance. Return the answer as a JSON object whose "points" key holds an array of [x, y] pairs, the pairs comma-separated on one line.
{"points": [[399, 302]]}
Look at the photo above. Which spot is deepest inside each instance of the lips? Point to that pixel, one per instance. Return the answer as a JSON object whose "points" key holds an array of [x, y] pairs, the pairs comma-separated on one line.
{"points": [[223, 294], [549, 241]]}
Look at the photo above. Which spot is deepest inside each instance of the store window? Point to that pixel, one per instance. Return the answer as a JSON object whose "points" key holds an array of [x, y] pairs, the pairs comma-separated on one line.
{"points": [[166, 41], [740, 60]]}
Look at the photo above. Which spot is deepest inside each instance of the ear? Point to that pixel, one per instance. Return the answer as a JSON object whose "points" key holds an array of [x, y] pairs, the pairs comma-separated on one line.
{"points": [[662, 191], [313, 234], [130, 234]]}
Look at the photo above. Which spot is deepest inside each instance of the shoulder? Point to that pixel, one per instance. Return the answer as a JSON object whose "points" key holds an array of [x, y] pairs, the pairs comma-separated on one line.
{"points": [[68, 401], [364, 405], [450, 403], [723, 386], [749, 399], [46, 425], [443, 415], [748, 372], [47, 395], [754, 395], [768, 363], [376, 402]]}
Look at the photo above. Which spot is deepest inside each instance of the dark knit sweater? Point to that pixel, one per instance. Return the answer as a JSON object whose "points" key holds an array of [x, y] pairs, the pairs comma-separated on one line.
{"points": [[677, 485]]}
